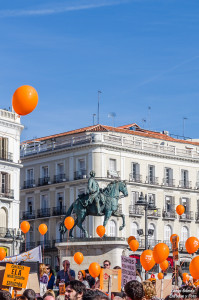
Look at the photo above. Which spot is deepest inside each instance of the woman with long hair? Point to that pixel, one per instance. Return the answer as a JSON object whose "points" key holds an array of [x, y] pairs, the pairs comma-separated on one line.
{"points": [[51, 277], [82, 277], [43, 279]]}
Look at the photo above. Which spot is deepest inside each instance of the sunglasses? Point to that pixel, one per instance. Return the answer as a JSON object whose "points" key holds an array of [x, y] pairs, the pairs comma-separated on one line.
{"points": [[106, 265]]}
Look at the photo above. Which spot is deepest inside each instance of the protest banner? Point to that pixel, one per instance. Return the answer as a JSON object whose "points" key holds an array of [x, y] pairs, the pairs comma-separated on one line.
{"points": [[110, 280], [31, 255], [164, 286], [175, 247], [16, 276], [128, 269]]}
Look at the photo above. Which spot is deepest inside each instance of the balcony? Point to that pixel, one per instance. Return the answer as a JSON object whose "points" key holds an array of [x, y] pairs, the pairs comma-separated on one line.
{"points": [[135, 177], [46, 244], [29, 184], [197, 216], [169, 215], [187, 216], [168, 243], [59, 210], [6, 193], [7, 156], [135, 211], [154, 214], [28, 215], [152, 243], [182, 247], [60, 178], [168, 182], [152, 180], [43, 213], [113, 174], [80, 174], [185, 184], [44, 181], [28, 246]]}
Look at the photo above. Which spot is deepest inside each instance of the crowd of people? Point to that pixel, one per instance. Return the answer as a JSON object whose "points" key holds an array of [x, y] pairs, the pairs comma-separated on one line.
{"points": [[88, 288]]}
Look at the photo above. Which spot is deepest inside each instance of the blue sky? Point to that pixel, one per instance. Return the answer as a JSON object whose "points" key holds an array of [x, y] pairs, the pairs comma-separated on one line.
{"points": [[139, 53]]}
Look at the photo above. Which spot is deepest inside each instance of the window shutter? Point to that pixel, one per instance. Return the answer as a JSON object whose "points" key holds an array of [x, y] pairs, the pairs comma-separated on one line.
{"points": [[7, 182]]}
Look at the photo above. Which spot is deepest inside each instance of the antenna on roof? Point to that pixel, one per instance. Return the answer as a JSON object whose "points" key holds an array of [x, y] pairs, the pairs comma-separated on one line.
{"points": [[99, 92], [94, 115], [112, 115], [149, 115]]}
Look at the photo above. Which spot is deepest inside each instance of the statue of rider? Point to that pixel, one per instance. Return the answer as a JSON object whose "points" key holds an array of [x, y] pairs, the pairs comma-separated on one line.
{"points": [[94, 192]]}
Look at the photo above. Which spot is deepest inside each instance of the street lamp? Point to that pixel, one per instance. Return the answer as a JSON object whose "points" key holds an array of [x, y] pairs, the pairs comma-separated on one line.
{"points": [[148, 205], [15, 238]]}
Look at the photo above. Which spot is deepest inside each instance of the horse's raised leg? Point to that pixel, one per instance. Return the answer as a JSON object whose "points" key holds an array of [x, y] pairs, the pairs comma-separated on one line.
{"points": [[79, 224], [115, 214]]}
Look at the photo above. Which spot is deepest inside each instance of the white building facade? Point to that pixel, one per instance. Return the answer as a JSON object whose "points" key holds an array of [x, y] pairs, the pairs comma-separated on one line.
{"points": [[10, 165], [166, 170]]}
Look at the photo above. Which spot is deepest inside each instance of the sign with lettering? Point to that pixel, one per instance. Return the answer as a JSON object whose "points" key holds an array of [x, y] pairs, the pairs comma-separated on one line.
{"points": [[175, 247], [110, 280], [16, 276], [128, 269]]}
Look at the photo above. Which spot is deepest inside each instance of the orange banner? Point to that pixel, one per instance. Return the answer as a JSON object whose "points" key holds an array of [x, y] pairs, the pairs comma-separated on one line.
{"points": [[16, 276]]}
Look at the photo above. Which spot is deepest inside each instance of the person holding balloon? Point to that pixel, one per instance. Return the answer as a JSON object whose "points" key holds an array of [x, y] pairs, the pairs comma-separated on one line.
{"points": [[66, 274]]}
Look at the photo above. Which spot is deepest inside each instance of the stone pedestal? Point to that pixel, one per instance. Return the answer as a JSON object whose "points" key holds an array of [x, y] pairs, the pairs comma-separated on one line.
{"points": [[94, 250]]}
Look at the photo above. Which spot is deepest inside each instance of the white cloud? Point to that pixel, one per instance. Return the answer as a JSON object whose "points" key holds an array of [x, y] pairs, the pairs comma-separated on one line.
{"points": [[58, 9]]}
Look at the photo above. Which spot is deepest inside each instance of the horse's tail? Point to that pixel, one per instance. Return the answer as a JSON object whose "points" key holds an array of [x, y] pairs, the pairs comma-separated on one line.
{"points": [[69, 211]]}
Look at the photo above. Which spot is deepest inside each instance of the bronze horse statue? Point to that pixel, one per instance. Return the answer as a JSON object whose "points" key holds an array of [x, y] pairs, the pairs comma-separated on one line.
{"points": [[109, 207]]}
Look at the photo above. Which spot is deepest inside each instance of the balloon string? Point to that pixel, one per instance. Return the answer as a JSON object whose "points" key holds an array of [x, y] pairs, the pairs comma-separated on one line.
{"points": [[43, 249], [25, 242]]}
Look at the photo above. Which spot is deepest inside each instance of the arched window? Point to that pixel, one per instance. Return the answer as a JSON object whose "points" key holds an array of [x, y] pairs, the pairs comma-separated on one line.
{"points": [[3, 222], [167, 232], [134, 228], [112, 228], [184, 233]]}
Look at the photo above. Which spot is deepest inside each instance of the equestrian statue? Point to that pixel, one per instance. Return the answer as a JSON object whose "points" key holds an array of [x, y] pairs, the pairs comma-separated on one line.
{"points": [[97, 202]]}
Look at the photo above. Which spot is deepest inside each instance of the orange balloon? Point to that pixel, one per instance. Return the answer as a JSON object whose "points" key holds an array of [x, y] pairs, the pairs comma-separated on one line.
{"points": [[94, 269], [25, 226], [160, 252], [147, 260], [100, 230], [180, 209], [134, 245], [160, 275], [194, 267], [2, 253], [24, 100], [192, 244], [78, 258], [164, 265], [69, 223], [130, 239], [185, 277], [174, 234], [43, 229]]}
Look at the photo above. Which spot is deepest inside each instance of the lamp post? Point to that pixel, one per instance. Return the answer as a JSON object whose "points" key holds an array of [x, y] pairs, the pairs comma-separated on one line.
{"points": [[148, 205], [10, 234]]}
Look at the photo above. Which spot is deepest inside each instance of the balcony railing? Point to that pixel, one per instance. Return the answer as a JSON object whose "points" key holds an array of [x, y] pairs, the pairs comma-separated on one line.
{"points": [[43, 212], [7, 156], [80, 174], [185, 184], [47, 244], [59, 210], [6, 193], [169, 214], [197, 185], [156, 213], [44, 181], [135, 211], [187, 216], [29, 184], [153, 242], [28, 246], [168, 182], [27, 215], [152, 180], [182, 247], [60, 178], [135, 177], [113, 174], [168, 243]]}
